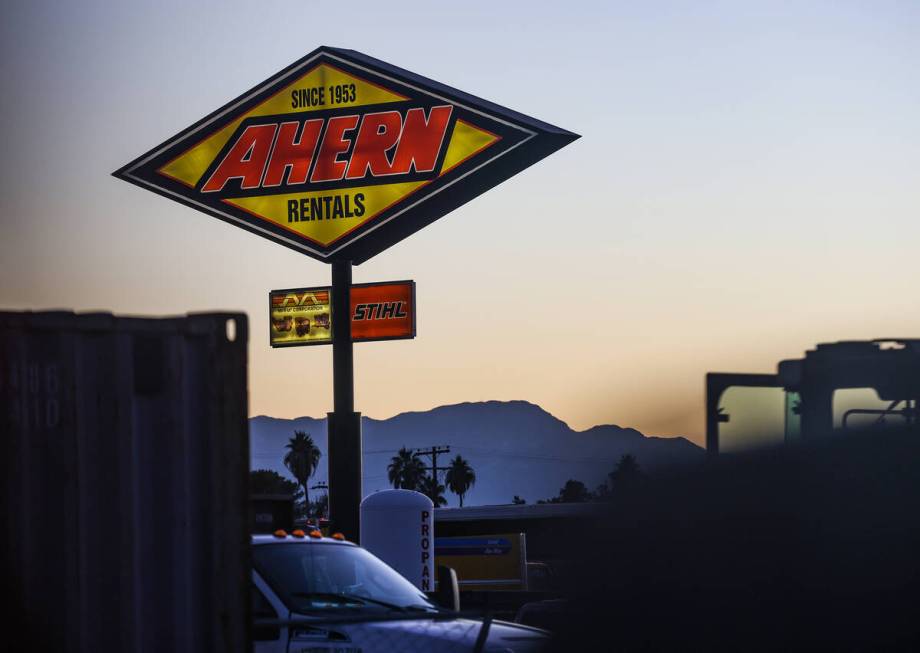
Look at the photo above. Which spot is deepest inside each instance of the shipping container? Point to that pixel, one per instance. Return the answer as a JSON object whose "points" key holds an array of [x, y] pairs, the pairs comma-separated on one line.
{"points": [[125, 481]]}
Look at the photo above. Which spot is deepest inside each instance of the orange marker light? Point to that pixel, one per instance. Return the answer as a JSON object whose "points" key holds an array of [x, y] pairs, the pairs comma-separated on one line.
{"points": [[316, 534], [298, 533], [280, 533], [338, 536]]}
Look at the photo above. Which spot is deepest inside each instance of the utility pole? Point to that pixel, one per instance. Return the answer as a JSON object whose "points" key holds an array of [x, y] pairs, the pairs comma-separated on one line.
{"points": [[433, 452], [322, 486]]}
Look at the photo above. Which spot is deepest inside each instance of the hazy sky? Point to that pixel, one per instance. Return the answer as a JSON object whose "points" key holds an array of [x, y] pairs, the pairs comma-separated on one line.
{"points": [[747, 184]]}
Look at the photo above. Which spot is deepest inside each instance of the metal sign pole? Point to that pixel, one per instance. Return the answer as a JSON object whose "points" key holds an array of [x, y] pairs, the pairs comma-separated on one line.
{"points": [[344, 424]]}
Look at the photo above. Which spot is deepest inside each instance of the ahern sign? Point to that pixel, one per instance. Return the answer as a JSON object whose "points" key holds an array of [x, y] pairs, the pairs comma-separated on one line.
{"points": [[340, 155]]}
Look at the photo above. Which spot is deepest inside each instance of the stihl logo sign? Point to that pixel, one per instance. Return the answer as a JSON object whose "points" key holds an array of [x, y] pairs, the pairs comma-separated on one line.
{"points": [[382, 311], [340, 155]]}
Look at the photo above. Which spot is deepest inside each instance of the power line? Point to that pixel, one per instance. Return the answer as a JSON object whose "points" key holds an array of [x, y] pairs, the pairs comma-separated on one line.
{"points": [[433, 452], [504, 453], [510, 454], [491, 452]]}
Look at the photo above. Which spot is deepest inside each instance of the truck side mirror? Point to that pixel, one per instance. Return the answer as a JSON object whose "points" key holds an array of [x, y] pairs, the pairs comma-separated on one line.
{"points": [[448, 588]]}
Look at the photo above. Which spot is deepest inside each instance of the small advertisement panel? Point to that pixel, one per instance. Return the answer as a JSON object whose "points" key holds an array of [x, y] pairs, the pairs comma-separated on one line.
{"points": [[300, 316], [379, 311]]}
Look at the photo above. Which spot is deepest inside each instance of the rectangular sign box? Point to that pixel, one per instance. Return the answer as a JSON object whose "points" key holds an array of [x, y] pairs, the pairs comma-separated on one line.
{"points": [[485, 562], [379, 311], [383, 311], [300, 316]]}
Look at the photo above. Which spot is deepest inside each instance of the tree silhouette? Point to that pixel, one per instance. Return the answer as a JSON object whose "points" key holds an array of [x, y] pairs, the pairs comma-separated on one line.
{"points": [[405, 470], [301, 460], [627, 475], [268, 481], [432, 489], [518, 501], [573, 492], [602, 493], [460, 477]]}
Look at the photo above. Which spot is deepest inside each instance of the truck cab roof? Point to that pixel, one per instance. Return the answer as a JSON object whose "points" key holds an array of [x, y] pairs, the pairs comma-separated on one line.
{"points": [[291, 538]]}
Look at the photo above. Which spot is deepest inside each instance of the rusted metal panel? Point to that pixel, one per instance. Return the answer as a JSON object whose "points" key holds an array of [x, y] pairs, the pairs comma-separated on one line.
{"points": [[125, 487]]}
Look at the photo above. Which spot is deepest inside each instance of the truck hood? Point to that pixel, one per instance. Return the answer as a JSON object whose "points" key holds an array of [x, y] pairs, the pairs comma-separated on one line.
{"points": [[437, 636]]}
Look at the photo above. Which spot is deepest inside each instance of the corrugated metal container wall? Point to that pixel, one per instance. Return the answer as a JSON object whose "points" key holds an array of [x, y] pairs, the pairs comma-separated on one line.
{"points": [[126, 459]]}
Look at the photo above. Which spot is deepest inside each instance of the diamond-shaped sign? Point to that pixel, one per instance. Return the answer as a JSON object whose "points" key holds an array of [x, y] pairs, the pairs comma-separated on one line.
{"points": [[340, 155]]}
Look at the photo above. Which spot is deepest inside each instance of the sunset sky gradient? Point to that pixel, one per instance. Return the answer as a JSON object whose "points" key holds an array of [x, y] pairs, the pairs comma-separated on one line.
{"points": [[747, 184]]}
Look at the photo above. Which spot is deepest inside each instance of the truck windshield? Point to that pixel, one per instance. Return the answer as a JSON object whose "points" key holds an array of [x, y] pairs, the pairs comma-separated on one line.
{"points": [[315, 576]]}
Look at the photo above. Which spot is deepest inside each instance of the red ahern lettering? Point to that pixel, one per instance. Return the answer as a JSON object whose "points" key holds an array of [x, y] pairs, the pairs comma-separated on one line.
{"points": [[328, 167], [245, 160], [296, 155]]}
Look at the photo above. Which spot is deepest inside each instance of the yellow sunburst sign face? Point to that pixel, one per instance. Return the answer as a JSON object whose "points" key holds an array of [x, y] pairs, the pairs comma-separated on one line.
{"points": [[340, 155]]}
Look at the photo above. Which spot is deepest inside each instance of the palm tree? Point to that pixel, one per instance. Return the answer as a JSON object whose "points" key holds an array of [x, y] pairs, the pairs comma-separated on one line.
{"points": [[627, 474], [430, 487], [460, 477], [405, 470], [301, 460]]}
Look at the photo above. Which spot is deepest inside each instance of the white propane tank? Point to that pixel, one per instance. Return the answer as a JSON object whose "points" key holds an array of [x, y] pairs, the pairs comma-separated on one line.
{"points": [[397, 526]]}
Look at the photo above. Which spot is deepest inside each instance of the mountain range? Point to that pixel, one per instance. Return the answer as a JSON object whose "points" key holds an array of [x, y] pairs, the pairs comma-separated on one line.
{"points": [[515, 448]]}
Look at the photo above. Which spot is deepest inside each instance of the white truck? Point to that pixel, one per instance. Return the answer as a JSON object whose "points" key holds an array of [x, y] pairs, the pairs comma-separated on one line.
{"points": [[316, 594]]}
